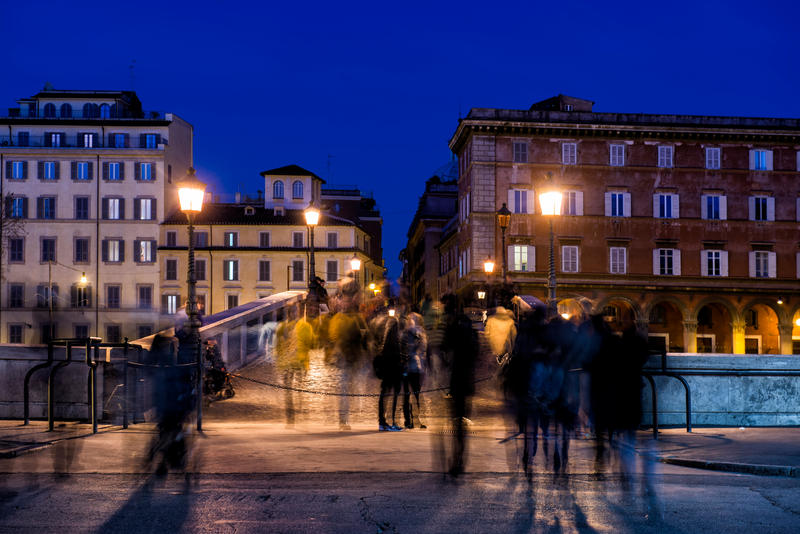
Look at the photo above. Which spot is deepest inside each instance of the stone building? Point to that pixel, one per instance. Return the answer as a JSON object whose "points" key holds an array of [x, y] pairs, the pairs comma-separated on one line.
{"points": [[252, 249], [685, 225], [89, 173]]}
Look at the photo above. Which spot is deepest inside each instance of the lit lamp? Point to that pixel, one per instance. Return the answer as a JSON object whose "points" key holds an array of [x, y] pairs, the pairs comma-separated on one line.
{"points": [[355, 267], [312, 218], [488, 266], [503, 220], [372, 286], [191, 193], [550, 203], [481, 295]]}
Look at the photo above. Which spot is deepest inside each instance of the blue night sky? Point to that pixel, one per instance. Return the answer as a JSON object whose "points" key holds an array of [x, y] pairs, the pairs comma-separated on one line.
{"points": [[380, 86]]}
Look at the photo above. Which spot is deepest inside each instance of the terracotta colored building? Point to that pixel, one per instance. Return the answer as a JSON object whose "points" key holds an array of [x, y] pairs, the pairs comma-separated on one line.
{"points": [[685, 225]]}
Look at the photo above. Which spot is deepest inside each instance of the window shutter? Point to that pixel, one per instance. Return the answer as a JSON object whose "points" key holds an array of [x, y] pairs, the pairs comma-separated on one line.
{"points": [[137, 251], [531, 258], [54, 296], [104, 208], [137, 170], [752, 263], [676, 212], [137, 208], [656, 269], [510, 257], [73, 296], [608, 204], [531, 201], [797, 209], [121, 250], [579, 203], [153, 250], [25, 207], [798, 264], [703, 263], [142, 140], [74, 170], [91, 170], [58, 169], [751, 206], [723, 208], [752, 159], [655, 206], [121, 208], [40, 170], [105, 170], [39, 207], [770, 208], [235, 270], [163, 301], [723, 263], [158, 140], [127, 140], [771, 264], [153, 210], [110, 140], [626, 204], [88, 293], [122, 170], [104, 253], [511, 201], [704, 206], [8, 170], [676, 261], [769, 160]]}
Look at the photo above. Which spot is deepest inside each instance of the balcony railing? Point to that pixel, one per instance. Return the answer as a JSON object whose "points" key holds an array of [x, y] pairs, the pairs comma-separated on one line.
{"points": [[77, 113], [78, 141]]}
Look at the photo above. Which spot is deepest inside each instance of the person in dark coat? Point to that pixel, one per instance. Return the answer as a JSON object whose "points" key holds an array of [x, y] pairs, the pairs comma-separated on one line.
{"points": [[388, 366]]}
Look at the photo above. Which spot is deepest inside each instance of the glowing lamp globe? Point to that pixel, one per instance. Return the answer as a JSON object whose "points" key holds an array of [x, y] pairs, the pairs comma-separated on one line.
{"points": [[550, 203], [191, 192], [488, 266], [312, 215], [355, 264]]}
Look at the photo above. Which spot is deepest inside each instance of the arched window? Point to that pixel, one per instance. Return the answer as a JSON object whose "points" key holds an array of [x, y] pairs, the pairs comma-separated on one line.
{"points": [[49, 110], [90, 110], [114, 111], [105, 111], [277, 189], [297, 189], [66, 111]]}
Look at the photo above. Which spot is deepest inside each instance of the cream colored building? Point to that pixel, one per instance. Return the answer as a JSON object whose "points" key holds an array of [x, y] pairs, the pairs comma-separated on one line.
{"points": [[91, 174], [245, 251]]}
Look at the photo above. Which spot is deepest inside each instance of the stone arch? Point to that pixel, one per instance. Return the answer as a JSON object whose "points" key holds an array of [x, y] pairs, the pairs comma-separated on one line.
{"points": [[771, 333], [724, 332], [668, 332], [678, 303], [621, 322], [573, 304], [734, 313], [780, 312]]}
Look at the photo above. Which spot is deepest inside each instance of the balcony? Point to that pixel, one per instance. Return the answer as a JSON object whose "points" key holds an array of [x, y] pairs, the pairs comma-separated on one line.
{"points": [[79, 141]]}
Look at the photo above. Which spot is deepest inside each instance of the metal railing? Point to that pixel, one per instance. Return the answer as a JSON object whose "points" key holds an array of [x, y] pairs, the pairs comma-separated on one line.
{"points": [[75, 141]]}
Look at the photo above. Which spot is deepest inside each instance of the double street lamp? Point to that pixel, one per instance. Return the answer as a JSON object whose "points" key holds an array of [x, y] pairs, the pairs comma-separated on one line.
{"points": [[191, 193], [550, 203]]}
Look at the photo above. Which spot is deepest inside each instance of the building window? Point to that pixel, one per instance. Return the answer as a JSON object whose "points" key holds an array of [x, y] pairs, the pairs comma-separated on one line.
{"points": [[713, 158], [762, 264], [231, 239], [171, 270], [15, 334], [46, 208], [263, 239], [233, 301], [170, 304], [617, 260], [113, 208], [16, 249], [113, 250], [17, 207], [297, 271], [762, 208], [53, 139], [520, 152], [17, 170], [145, 300], [522, 258], [82, 250], [80, 296], [333, 240], [172, 238], [572, 203], [44, 293], [665, 156], [113, 297], [144, 209], [16, 295], [89, 140], [666, 262], [277, 189], [66, 111], [48, 170], [145, 171], [150, 140], [264, 274], [331, 271], [23, 138], [230, 270], [81, 170], [201, 239], [144, 250], [297, 189], [113, 333], [519, 201], [297, 239], [118, 140], [714, 263], [113, 171], [713, 207], [618, 204], [48, 249], [569, 259], [761, 160], [144, 330], [617, 155], [49, 110], [569, 153], [666, 206], [199, 269]]}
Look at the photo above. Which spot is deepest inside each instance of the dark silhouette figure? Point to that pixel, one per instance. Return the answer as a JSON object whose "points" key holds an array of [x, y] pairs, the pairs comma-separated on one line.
{"points": [[388, 366]]}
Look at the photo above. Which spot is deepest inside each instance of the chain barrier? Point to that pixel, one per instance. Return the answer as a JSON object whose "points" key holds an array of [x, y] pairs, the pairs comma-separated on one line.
{"points": [[334, 394]]}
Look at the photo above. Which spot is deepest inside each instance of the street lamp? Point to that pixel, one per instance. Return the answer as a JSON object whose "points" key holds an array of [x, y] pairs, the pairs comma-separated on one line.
{"points": [[191, 193], [550, 203], [488, 266], [355, 267], [503, 220], [312, 218], [83, 281]]}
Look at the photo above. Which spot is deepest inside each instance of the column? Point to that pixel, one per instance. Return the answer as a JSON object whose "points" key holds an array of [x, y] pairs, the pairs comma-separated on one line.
{"points": [[785, 337], [642, 326], [690, 335], [738, 336]]}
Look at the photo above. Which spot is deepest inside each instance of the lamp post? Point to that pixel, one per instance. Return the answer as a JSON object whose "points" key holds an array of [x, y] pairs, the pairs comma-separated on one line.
{"points": [[503, 220], [190, 194], [550, 203], [312, 218]]}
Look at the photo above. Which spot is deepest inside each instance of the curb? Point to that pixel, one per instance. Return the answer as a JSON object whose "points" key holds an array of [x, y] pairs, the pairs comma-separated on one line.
{"points": [[25, 449], [731, 467]]}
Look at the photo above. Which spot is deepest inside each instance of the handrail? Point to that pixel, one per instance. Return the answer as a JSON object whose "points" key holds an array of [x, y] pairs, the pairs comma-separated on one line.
{"points": [[26, 385]]}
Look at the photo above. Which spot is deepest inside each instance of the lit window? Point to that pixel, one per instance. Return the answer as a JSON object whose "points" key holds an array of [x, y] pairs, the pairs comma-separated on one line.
{"points": [[171, 307], [519, 258], [761, 160], [146, 252], [230, 270], [113, 250], [231, 239]]}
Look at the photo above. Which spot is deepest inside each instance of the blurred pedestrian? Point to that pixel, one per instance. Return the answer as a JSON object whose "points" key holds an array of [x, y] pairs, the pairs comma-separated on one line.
{"points": [[415, 349], [294, 341], [388, 367]]}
